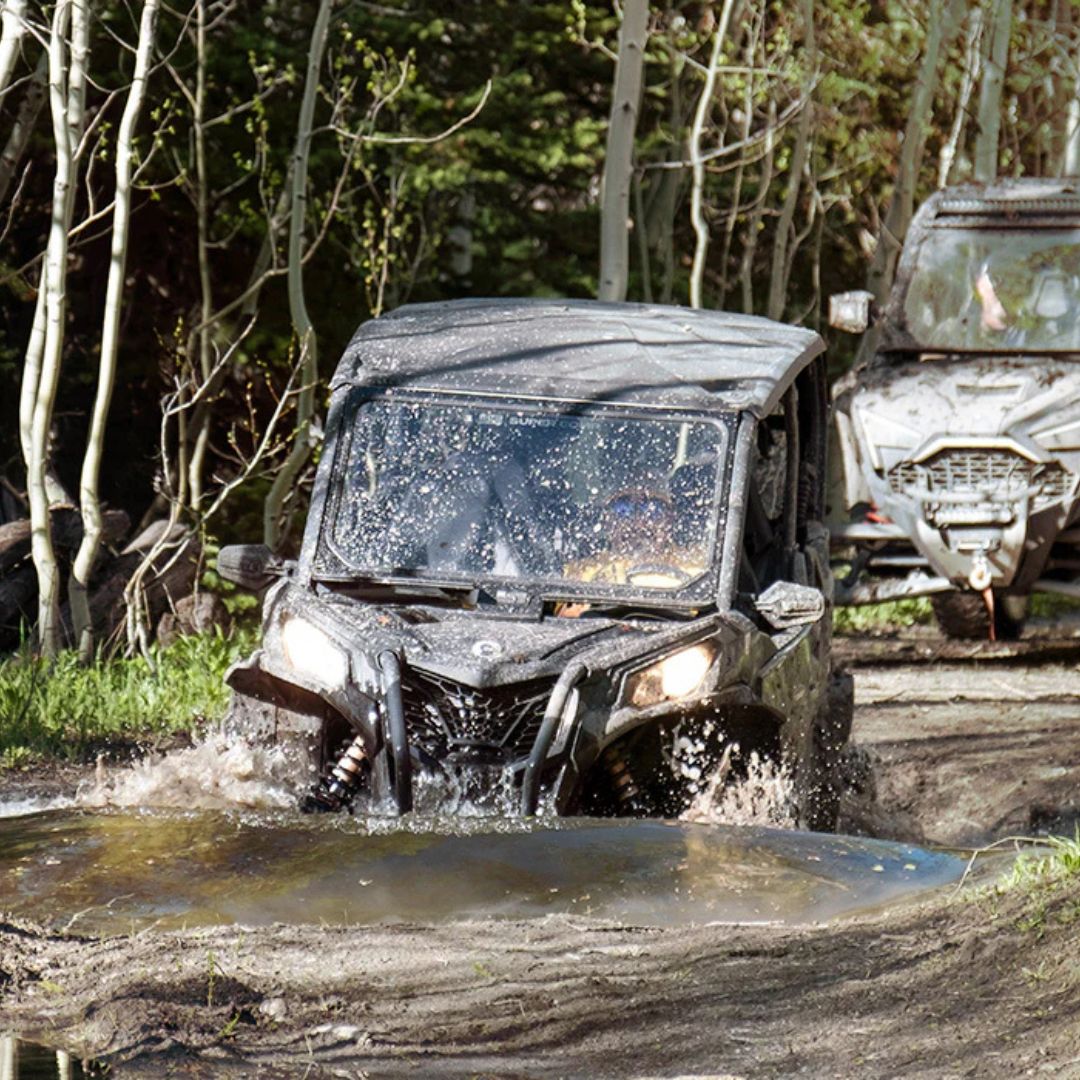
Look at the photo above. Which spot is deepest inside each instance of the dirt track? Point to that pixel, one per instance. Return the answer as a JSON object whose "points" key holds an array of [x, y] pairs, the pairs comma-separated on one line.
{"points": [[961, 751]]}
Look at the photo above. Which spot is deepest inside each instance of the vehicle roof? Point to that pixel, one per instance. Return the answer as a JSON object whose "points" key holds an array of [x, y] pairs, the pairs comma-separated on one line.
{"points": [[644, 354], [1017, 199]]}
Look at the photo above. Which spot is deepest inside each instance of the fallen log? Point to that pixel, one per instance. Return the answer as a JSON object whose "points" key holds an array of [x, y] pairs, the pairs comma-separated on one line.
{"points": [[18, 604], [66, 526], [18, 579], [173, 575]]}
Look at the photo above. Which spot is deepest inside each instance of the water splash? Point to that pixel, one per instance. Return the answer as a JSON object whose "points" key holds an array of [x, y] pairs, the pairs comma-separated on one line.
{"points": [[217, 772], [34, 805], [763, 795]]}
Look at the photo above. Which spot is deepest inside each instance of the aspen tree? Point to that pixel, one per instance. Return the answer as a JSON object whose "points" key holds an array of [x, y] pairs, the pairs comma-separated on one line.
{"points": [[993, 79], [943, 18], [697, 163], [67, 95], [619, 152], [12, 31], [302, 326], [89, 501], [780, 270]]}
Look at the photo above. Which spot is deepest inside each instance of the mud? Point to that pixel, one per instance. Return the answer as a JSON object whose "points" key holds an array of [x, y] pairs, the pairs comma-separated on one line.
{"points": [[965, 754], [959, 984]]}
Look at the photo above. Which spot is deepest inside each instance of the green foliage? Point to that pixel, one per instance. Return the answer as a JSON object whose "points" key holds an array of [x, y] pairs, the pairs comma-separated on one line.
{"points": [[1053, 606], [1048, 867], [1049, 882], [66, 710], [878, 618], [505, 204]]}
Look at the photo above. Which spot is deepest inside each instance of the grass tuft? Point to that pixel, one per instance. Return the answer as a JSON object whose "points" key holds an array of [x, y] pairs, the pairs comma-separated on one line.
{"points": [[878, 618], [64, 710], [1058, 864]]}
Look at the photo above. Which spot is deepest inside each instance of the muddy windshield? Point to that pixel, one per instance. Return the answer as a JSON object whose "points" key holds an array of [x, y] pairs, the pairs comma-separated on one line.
{"points": [[985, 289], [474, 492]]}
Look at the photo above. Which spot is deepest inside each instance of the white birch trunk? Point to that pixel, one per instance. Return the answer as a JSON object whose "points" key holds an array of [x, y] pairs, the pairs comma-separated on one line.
{"points": [[67, 89], [901, 206], [972, 63], [89, 502], [697, 165], [305, 332], [943, 17], [619, 152], [1071, 159], [753, 224], [25, 121], [202, 225], [12, 32], [986, 143], [780, 268]]}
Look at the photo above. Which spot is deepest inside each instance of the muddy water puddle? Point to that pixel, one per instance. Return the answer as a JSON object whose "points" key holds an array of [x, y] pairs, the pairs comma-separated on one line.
{"points": [[113, 872], [22, 1060]]}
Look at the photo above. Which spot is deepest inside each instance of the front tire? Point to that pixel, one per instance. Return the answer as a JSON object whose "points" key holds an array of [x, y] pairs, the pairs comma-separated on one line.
{"points": [[962, 615]]}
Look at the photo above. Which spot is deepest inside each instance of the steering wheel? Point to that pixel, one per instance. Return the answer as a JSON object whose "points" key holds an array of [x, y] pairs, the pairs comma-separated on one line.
{"points": [[675, 575]]}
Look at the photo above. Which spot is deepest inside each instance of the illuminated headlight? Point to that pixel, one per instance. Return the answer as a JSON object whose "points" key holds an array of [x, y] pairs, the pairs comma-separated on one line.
{"points": [[676, 676], [311, 652]]}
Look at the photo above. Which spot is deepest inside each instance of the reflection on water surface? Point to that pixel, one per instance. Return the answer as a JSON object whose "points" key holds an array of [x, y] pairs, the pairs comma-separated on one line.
{"points": [[21, 1060], [114, 872]]}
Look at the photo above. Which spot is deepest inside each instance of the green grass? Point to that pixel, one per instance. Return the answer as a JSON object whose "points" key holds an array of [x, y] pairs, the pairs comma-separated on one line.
{"points": [[898, 614], [1048, 884], [1059, 864], [64, 710], [890, 615], [1052, 605]]}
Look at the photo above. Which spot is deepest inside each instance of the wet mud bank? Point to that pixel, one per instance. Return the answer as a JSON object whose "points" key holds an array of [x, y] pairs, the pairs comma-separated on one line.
{"points": [[965, 752], [944, 989]]}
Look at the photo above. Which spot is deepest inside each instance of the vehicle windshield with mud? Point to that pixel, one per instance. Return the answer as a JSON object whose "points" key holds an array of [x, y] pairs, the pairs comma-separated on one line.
{"points": [[960, 440], [566, 554]]}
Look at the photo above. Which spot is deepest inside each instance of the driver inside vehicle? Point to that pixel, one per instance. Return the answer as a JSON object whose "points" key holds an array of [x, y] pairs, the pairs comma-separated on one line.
{"points": [[1021, 299], [639, 527]]}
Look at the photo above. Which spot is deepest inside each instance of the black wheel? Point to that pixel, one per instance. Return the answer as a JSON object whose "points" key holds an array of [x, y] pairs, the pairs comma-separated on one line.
{"points": [[963, 615], [822, 783]]}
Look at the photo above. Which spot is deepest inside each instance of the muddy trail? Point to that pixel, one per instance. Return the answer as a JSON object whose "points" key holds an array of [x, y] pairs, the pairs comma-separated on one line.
{"points": [[947, 982]]}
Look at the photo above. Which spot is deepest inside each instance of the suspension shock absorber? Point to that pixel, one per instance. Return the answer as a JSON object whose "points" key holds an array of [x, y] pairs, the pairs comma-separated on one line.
{"points": [[626, 790], [337, 788]]}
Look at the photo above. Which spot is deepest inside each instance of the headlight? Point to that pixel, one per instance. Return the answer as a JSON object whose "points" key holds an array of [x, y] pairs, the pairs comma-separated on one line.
{"points": [[676, 676], [312, 653]]}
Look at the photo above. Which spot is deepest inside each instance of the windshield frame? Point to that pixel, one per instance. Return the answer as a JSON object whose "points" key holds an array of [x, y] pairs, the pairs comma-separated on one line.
{"points": [[901, 336], [330, 565]]}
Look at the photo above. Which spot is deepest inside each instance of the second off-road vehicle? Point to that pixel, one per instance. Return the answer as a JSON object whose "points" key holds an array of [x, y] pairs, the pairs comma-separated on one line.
{"points": [[960, 440], [569, 552]]}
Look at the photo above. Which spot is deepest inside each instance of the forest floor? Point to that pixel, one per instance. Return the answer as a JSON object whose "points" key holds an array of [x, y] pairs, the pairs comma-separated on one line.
{"points": [[952, 745]]}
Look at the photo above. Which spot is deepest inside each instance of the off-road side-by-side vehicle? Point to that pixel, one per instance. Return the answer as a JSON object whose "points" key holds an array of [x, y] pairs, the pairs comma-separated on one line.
{"points": [[570, 550], [960, 440]]}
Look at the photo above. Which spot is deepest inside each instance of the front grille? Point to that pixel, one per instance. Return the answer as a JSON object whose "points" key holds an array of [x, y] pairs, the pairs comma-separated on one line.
{"points": [[974, 486], [444, 717]]}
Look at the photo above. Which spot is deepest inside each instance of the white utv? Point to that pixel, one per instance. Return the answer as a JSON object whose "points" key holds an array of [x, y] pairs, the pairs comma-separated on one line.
{"points": [[959, 442]]}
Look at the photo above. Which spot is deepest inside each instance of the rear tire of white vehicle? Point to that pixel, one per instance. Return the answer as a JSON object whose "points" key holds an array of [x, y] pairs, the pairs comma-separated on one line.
{"points": [[963, 615]]}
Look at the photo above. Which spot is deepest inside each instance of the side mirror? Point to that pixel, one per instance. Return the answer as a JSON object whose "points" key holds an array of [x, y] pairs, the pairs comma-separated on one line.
{"points": [[851, 311], [251, 566], [785, 604]]}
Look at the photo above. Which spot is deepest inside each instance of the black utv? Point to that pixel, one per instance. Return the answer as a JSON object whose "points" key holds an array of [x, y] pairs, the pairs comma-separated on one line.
{"points": [[567, 551]]}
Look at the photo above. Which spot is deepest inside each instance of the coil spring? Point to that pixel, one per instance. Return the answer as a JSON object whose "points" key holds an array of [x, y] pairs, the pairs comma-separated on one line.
{"points": [[338, 787], [626, 789]]}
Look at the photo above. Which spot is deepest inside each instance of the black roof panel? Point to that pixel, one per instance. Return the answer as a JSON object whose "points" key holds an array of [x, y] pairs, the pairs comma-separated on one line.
{"points": [[644, 354]]}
